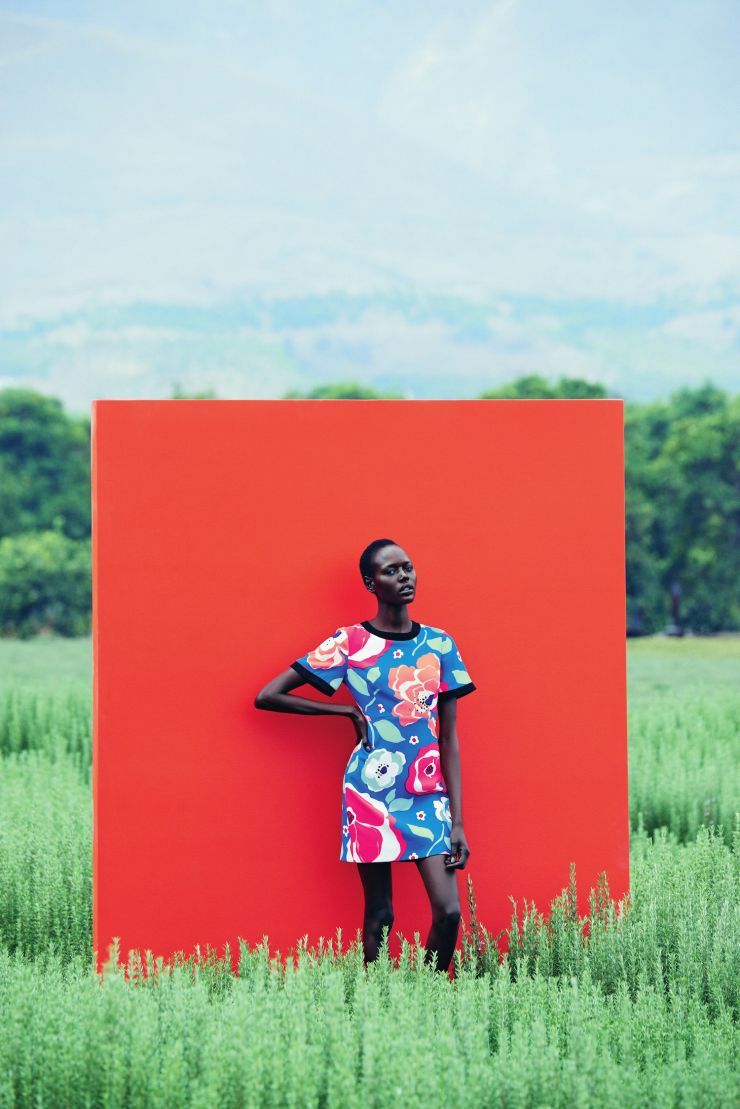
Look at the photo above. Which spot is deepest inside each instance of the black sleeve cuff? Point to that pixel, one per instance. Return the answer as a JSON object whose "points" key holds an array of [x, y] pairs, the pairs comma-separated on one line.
{"points": [[314, 679], [461, 691]]}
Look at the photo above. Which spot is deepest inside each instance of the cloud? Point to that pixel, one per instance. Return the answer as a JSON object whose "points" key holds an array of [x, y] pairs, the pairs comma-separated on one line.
{"points": [[184, 155]]}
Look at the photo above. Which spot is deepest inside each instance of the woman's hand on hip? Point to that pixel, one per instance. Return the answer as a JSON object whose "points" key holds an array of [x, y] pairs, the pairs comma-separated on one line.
{"points": [[359, 720]]}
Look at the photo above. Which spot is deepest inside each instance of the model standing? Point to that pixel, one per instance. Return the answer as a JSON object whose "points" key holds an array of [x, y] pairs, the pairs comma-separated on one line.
{"points": [[401, 797]]}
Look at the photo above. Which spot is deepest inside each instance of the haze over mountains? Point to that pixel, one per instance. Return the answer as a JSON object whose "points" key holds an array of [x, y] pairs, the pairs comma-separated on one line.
{"points": [[394, 194]]}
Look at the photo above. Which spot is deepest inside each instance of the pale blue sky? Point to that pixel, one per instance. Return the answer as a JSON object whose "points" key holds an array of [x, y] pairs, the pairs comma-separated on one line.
{"points": [[434, 197]]}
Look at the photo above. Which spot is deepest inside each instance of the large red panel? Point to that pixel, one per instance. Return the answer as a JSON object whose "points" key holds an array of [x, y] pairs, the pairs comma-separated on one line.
{"points": [[226, 536]]}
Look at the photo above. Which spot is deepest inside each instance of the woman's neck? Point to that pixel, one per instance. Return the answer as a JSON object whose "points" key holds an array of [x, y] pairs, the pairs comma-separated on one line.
{"points": [[392, 618]]}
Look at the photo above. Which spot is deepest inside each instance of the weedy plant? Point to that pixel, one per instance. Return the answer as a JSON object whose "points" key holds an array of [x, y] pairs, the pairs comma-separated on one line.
{"points": [[633, 1003]]}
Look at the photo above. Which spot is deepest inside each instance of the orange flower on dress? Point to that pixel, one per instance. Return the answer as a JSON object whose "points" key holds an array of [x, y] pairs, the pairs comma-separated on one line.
{"points": [[416, 688], [330, 652]]}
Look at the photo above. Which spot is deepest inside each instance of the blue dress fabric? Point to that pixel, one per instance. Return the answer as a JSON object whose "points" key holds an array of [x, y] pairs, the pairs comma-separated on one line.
{"points": [[395, 805]]}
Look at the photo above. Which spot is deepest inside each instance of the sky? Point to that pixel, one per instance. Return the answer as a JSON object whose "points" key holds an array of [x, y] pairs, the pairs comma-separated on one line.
{"points": [[427, 197]]}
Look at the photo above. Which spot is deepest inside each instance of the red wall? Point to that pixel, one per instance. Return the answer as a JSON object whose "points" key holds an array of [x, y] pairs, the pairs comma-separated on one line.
{"points": [[226, 539]]}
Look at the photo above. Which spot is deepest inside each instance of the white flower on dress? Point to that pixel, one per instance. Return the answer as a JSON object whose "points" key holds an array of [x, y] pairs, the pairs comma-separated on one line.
{"points": [[442, 809], [421, 816], [381, 768]]}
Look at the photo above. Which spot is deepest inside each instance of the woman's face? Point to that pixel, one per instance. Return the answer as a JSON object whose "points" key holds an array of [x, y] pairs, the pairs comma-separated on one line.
{"points": [[395, 577]]}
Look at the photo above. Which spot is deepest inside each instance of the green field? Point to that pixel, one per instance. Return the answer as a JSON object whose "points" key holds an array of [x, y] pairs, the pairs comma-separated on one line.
{"points": [[637, 1005]]}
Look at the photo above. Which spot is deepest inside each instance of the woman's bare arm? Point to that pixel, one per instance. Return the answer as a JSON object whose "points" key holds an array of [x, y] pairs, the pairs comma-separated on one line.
{"points": [[276, 696]]}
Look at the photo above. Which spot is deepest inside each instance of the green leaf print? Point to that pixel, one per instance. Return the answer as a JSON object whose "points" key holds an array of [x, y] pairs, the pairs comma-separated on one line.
{"points": [[358, 683], [427, 833], [442, 644], [390, 794], [461, 675], [400, 803], [388, 731], [373, 673], [352, 765]]}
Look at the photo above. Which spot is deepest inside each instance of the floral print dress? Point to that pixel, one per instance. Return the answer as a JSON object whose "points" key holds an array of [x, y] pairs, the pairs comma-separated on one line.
{"points": [[395, 805]]}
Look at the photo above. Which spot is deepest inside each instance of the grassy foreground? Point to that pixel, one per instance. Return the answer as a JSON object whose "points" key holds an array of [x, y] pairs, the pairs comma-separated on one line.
{"points": [[635, 1005]]}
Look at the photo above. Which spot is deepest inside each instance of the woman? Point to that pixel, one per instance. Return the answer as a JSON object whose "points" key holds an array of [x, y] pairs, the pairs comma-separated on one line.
{"points": [[401, 789]]}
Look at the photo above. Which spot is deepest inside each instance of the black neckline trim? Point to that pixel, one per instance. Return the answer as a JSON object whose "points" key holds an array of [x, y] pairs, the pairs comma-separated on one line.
{"points": [[415, 629]]}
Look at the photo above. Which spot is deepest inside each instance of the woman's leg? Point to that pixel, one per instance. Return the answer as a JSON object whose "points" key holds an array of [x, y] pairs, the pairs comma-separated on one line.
{"points": [[441, 885], [376, 882]]}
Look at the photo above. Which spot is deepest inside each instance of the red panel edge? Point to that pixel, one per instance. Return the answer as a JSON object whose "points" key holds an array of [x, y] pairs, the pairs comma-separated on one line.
{"points": [[95, 681], [623, 675]]}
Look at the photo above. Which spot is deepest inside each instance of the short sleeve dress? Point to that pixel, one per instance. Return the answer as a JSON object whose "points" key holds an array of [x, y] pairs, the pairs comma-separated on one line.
{"points": [[395, 805]]}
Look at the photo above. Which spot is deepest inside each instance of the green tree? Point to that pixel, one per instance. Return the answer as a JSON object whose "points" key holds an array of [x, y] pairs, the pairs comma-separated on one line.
{"points": [[340, 390], [683, 507], [682, 459], [44, 466], [645, 429], [682, 510], [529, 387], [45, 585], [536, 387], [178, 393], [695, 480]]}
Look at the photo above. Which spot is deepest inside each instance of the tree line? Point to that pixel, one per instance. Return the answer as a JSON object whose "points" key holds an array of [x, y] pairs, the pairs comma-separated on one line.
{"points": [[682, 510]]}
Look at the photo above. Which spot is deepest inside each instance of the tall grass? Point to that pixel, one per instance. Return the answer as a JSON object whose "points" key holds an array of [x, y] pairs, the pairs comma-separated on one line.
{"points": [[318, 1029], [45, 855], [635, 1003], [59, 725], [684, 770]]}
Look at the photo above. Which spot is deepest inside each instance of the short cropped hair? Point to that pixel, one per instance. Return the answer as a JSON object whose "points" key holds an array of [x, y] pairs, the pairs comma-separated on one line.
{"points": [[367, 567]]}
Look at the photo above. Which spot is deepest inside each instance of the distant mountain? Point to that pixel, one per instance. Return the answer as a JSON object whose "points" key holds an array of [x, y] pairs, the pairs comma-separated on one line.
{"points": [[422, 345]]}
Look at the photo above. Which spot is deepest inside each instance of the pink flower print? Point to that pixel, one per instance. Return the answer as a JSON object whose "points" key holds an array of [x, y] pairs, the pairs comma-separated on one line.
{"points": [[424, 774], [364, 648], [433, 725], [373, 833], [416, 688], [330, 652]]}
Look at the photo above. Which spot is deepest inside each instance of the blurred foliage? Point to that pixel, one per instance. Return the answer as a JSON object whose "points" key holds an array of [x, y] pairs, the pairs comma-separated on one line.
{"points": [[682, 500], [682, 511], [178, 393], [534, 387], [683, 506], [44, 466], [45, 584], [341, 390]]}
